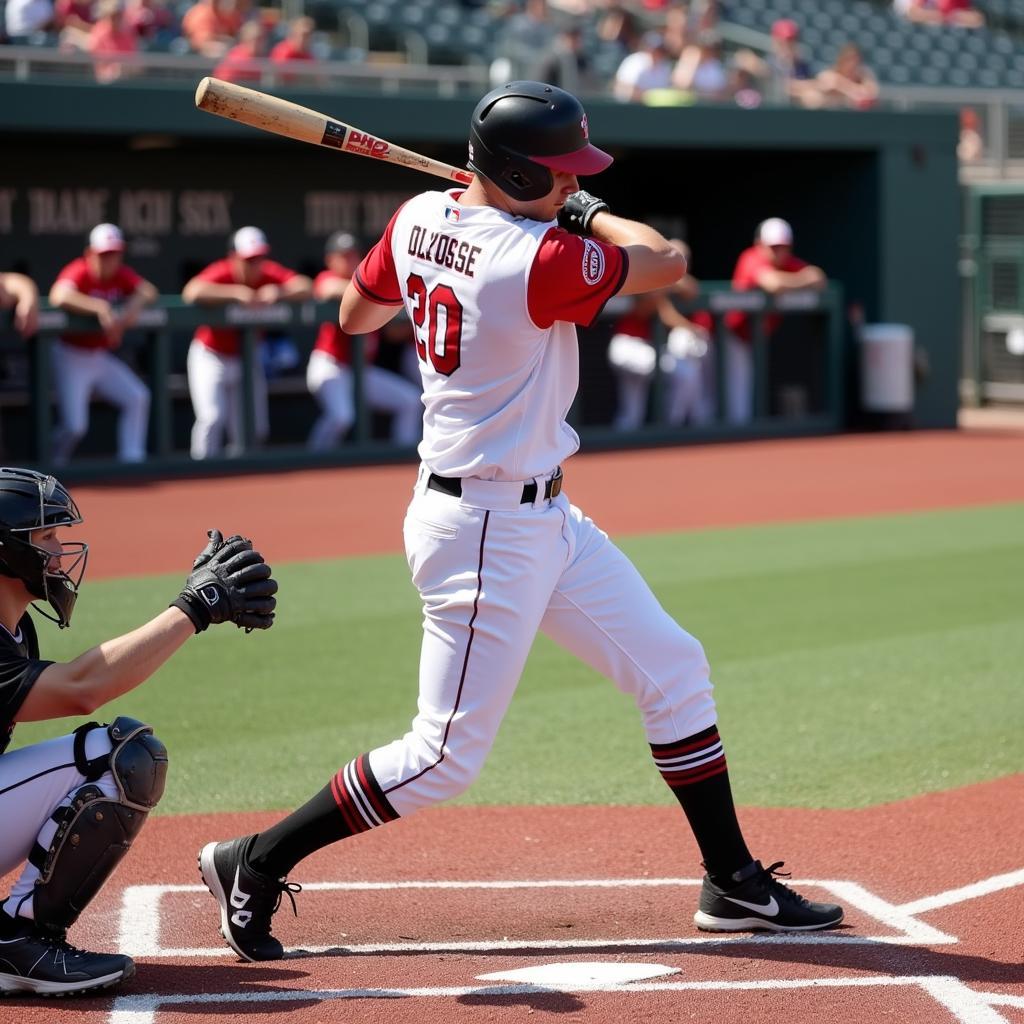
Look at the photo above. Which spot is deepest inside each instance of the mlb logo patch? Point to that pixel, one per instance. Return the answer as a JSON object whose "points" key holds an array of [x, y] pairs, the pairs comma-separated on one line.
{"points": [[450, 213]]}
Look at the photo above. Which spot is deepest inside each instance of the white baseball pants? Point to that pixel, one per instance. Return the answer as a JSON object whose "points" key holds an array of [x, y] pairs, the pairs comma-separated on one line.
{"points": [[81, 373], [34, 782], [215, 386], [333, 385], [492, 572]]}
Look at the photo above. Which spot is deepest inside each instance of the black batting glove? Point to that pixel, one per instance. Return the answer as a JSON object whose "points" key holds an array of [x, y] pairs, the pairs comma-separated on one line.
{"points": [[229, 582], [578, 211]]}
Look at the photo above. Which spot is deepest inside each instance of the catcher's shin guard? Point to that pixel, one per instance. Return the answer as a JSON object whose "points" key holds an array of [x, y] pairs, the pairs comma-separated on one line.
{"points": [[95, 831]]}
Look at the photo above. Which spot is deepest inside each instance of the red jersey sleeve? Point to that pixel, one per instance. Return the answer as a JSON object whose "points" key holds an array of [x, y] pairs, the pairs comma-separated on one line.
{"points": [[75, 273], [572, 278], [275, 273], [376, 278], [748, 266]]}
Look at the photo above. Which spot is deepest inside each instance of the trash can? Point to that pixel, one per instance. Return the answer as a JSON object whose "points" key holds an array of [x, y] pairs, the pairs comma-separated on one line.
{"points": [[887, 368]]}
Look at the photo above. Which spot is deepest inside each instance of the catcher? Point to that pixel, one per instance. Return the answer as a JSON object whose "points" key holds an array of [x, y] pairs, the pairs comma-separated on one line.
{"points": [[72, 806]]}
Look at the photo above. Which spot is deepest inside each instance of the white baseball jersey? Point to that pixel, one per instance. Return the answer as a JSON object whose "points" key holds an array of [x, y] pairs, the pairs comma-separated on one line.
{"points": [[496, 393]]}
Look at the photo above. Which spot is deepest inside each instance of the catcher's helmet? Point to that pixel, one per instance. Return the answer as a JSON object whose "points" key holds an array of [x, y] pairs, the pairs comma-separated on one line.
{"points": [[522, 131], [33, 501]]}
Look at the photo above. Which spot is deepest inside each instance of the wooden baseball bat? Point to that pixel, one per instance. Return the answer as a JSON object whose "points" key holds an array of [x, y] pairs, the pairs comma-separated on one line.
{"points": [[282, 117]]}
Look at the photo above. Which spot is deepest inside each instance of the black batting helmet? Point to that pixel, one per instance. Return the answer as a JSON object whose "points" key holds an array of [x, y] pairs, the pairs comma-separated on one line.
{"points": [[522, 131], [34, 501]]}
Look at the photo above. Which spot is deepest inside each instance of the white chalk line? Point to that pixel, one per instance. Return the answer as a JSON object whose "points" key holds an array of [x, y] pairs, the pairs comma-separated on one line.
{"points": [[966, 1006], [140, 924]]}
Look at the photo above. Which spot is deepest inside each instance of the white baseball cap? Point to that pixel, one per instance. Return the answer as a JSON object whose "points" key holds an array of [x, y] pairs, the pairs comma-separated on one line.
{"points": [[775, 231], [106, 238], [247, 242]]}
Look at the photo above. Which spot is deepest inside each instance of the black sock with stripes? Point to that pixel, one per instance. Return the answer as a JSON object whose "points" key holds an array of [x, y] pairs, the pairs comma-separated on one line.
{"points": [[317, 823], [695, 770]]}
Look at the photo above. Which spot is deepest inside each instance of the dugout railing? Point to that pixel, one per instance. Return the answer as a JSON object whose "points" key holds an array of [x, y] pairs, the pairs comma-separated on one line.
{"points": [[157, 344]]}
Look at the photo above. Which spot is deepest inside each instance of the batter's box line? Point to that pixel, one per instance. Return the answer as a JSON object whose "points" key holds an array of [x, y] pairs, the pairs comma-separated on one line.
{"points": [[965, 1005], [139, 931]]}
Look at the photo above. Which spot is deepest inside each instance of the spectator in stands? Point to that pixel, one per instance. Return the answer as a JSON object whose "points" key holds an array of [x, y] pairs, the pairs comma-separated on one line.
{"points": [[214, 365], [99, 284], [73, 19], [211, 26], [706, 16], [111, 36], [23, 19], [700, 70], [525, 37], [619, 25], [295, 45], [19, 292], [769, 264], [849, 82], [329, 375], [676, 29], [745, 85], [940, 12], [566, 62], [241, 62], [649, 68], [151, 20], [788, 73], [971, 146]]}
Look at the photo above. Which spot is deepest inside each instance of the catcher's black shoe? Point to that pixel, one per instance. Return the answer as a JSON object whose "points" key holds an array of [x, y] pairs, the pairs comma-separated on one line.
{"points": [[32, 961], [759, 901], [248, 900]]}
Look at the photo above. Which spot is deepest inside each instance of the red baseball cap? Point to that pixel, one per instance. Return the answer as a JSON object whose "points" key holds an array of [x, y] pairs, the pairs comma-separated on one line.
{"points": [[785, 28]]}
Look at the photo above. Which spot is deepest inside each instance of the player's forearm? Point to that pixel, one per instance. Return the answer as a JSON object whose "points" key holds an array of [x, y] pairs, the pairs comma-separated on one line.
{"points": [[75, 302], [297, 289], [210, 292], [20, 288], [618, 231], [108, 670]]}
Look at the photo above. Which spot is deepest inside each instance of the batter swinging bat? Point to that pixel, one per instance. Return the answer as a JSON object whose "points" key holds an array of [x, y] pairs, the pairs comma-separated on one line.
{"points": [[273, 114]]}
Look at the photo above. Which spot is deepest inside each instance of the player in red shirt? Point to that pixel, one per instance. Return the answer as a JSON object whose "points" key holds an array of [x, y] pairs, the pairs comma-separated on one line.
{"points": [[631, 354], [769, 264], [245, 276], [99, 284], [329, 374]]}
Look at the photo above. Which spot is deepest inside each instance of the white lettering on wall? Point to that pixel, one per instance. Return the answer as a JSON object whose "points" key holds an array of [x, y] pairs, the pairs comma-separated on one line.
{"points": [[204, 213], [66, 211], [146, 212]]}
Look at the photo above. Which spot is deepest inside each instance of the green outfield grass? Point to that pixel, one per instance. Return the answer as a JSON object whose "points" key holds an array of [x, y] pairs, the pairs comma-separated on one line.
{"points": [[856, 661]]}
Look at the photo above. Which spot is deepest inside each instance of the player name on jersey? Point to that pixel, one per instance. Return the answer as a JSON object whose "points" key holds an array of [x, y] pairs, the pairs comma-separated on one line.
{"points": [[445, 251]]}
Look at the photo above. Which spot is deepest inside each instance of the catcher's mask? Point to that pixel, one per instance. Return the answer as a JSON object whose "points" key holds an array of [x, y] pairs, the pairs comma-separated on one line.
{"points": [[522, 131], [31, 501]]}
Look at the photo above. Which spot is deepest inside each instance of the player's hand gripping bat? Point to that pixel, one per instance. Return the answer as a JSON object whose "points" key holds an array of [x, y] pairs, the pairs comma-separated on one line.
{"points": [[282, 117]]}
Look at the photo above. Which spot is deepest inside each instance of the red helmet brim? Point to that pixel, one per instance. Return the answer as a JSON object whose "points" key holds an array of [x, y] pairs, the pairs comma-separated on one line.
{"points": [[588, 160]]}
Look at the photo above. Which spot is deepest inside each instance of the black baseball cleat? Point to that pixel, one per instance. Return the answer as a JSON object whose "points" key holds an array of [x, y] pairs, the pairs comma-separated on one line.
{"points": [[32, 961], [759, 901], [248, 900]]}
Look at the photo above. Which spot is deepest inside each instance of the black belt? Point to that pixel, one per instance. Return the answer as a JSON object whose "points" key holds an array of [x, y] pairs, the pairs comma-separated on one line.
{"points": [[453, 485]]}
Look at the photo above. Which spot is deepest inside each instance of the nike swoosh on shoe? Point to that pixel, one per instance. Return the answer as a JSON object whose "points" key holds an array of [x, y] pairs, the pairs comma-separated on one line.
{"points": [[769, 909]]}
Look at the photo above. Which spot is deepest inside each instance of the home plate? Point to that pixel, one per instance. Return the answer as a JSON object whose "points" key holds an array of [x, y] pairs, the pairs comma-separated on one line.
{"points": [[570, 975]]}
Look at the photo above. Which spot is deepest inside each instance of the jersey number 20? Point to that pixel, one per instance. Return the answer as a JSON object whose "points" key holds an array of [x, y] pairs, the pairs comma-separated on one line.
{"points": [[443, 350]]}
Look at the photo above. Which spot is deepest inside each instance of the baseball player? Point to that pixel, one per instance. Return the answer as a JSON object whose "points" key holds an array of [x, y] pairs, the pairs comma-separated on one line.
{"points": [[329, 375], [494, 278], [99, 284], [769, 264], [214, 362], [72, 806]]}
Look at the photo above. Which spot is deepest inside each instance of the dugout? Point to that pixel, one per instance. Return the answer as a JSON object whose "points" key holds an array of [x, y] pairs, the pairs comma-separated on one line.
{"points": [[873, 196]]}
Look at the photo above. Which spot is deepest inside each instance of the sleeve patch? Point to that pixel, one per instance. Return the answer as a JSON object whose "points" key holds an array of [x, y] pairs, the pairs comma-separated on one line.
{"points": [[593, 262]]}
